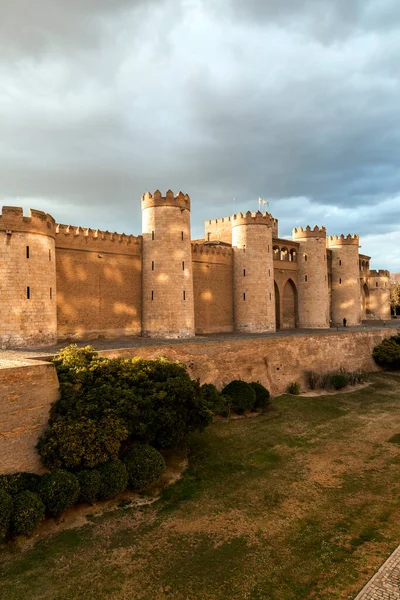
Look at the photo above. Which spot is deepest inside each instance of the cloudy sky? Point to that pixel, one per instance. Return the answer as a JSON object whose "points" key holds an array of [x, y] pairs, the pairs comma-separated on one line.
{"points": [[297, 102]]}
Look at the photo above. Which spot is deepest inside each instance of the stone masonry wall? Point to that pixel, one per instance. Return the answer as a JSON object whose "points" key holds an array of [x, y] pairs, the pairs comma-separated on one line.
{"points": [[26, 394]]}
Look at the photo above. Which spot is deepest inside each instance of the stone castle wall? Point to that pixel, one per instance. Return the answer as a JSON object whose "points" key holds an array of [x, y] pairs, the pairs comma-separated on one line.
{"points": [[27, 392]]}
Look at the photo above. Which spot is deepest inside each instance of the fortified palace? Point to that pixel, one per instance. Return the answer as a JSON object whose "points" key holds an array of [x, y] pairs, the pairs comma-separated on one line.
{"points": [[62, 282]]}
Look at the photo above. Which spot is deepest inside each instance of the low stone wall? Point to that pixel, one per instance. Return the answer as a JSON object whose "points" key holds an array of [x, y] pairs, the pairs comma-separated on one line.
{"points": [[274, 361], [26, 394]]}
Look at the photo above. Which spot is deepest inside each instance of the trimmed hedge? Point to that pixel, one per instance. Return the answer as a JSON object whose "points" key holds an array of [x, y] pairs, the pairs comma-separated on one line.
{"points": [[242, 395], [28, 511], [59, 490], [89, 483], [114, 479], [5, 513], [144, 465], [387, 353], [262, 395], [14, 483]]}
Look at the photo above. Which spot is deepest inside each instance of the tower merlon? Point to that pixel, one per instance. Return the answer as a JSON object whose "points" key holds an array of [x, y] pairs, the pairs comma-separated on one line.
{"points": [[179, 200], [253, 218], [342, 240], [12, 220], [299, 233], [380, 273]]}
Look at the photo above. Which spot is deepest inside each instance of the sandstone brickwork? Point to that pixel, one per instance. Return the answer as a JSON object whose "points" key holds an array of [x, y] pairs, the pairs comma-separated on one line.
{"points": [[68, 282]]}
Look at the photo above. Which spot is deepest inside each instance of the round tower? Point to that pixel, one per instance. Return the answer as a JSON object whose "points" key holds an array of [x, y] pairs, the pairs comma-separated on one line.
{"points": [[253, 274], [313, 290], [346, 299], [379, 295], [167, 285], [28, 308]]}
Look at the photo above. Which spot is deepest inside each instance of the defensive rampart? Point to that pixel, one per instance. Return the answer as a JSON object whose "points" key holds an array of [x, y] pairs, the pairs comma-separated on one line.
{"points": [[27, 392]]}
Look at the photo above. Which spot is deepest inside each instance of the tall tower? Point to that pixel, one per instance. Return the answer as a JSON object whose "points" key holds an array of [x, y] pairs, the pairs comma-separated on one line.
{"points": [[167, 286], [253, 274], [313, 291], [346, 299], [28, 307], [379, 295]]}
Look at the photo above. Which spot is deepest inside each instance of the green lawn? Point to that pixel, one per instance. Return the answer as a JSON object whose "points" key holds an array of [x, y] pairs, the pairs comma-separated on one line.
{"points": [[302, 502]]}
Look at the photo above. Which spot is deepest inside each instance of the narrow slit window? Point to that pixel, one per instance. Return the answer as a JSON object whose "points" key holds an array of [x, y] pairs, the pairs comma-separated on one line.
{"points": [[51, 293], [184, 295], [152, 265], [270, 296], [27, 252], [340, 280], [183, 265], [152, 295], [28, 293], [244, 296], [183, 236], [376, 284], [49, 254], [306, 278], [340, 263], [269, 272], [152, 235], [305, 257], [244, 272]]}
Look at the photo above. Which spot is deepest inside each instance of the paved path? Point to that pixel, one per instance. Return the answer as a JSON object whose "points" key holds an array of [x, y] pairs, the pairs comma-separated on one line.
{"points": [[385, 585]]}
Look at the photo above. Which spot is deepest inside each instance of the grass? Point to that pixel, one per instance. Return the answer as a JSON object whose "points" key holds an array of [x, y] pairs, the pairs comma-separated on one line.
{"points": [[302, 502]]}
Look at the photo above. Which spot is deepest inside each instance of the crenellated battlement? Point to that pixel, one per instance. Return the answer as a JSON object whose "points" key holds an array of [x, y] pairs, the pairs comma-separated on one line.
{"points": [[179, 200], [380, 273], [211, 250], [96, 240], [349, 240], [252, 218], [299, 233], [12, 220]]}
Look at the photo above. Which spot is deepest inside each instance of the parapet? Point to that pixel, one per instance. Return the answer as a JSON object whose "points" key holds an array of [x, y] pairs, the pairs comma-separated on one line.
{"points": [[95, 240], [252, 218], [349, 240], [212, 253], [380, 273], [299, 233], [157, 199], [12, 220]]}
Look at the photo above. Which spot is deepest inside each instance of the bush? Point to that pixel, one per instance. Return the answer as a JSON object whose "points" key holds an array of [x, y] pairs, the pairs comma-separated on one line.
{"points": [[156, 400], [113, 479], [339, 380], [293, 388], [5, 513], [73, 444], [14, 483], [313, 379], [262, 395], [242, 395], [59, 490], [28, 511], [89, 484], [144, 465], [387, 354]]}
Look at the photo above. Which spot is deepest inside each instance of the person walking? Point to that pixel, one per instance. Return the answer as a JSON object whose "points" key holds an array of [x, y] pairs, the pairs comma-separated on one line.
{"points": [[344, 322]]}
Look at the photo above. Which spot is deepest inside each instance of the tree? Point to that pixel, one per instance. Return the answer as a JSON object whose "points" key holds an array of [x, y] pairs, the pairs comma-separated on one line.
{"points": [[395, 297]]}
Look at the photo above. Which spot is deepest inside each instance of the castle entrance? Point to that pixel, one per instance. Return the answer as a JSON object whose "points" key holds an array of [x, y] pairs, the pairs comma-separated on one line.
{"points": [[289, 306]]}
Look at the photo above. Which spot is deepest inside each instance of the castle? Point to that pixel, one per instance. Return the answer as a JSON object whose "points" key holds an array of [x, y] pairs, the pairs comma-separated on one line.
{"points": [[62, 282]]}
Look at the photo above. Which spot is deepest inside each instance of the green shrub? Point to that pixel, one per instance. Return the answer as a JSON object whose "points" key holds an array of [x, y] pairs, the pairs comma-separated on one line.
{"points": [[14, 483], [313, 379], [387, 354], [89, 484], [59, 490], [293, 388], [114, 479], [212, 397], [157, 400], [27, 512], [242, 395], [225, 407], [144, 465], [5, 513], [82, 443], [339, 380], [262, 395]]}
